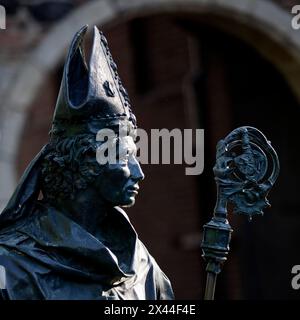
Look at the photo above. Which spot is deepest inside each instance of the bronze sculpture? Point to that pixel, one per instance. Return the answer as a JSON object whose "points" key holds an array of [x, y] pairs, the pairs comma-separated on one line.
{"points": [[76, 242], [246, 169]]}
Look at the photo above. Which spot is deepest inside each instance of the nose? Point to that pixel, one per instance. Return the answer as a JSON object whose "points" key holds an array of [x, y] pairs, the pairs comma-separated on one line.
{"points": [[136, 170]]}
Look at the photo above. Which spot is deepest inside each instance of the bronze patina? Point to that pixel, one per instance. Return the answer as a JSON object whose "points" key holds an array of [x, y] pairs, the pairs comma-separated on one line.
{"points": [[63, 234], [246, 168]]}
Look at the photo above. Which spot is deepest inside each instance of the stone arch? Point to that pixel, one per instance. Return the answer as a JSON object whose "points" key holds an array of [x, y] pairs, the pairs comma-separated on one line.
{"points": [[265, 32]]}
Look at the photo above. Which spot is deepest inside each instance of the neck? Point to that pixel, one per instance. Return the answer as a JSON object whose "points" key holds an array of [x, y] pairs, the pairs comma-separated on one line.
{"points": [[87, 209]]}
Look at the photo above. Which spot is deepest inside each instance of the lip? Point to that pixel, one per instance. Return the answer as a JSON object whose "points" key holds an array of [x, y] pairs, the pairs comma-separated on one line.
{"points": [[133, 189]]}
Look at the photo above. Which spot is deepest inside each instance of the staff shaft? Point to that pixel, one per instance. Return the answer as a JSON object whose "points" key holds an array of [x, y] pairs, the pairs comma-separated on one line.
{"points": [[210, 286]]}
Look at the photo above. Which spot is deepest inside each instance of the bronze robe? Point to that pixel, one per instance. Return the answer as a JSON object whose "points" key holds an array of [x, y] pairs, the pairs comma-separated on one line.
{"points": [[47, 255]]}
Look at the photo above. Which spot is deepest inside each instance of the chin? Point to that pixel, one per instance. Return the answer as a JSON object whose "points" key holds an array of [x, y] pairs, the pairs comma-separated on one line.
{"points": [[128, 203]]}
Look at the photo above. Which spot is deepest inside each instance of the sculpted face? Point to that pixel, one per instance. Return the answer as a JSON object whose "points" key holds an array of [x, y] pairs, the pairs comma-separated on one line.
{"points": [[118, 182]]}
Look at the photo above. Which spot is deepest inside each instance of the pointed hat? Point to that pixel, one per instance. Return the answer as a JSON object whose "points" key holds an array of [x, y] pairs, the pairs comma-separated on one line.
{"points": [[91, 96]]}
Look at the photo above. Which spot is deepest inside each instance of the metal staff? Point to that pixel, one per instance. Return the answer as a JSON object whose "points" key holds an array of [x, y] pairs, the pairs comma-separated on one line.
{"points": [[246, 168]]}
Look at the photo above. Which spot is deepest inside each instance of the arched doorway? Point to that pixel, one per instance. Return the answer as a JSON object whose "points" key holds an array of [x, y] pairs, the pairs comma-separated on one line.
{"points": [[172, 95]]}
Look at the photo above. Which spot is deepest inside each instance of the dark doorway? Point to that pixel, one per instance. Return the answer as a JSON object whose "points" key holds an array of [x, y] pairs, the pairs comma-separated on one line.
{"points": [[231, 85]]}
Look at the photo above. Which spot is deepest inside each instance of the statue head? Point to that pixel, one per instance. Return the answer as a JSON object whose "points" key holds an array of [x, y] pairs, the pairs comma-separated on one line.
{"points": [[91, 99]]}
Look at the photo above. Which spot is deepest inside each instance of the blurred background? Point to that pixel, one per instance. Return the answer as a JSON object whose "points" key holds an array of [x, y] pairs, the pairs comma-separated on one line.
{"points": [[207, 64]]}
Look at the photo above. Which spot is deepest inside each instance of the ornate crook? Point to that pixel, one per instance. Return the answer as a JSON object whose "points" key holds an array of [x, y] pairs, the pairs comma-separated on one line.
{"points": [[246, 168]]}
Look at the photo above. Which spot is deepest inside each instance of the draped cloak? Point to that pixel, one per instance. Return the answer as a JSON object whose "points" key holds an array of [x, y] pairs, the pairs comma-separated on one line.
{"points": [[47, 255]]}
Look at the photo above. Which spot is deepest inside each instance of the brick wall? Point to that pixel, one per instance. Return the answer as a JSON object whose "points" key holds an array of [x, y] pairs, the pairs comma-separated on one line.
{"points": [[168, 214]]}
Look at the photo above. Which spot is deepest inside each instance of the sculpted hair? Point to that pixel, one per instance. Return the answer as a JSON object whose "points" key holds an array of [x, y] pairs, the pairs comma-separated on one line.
{"points": [[70, 166]]}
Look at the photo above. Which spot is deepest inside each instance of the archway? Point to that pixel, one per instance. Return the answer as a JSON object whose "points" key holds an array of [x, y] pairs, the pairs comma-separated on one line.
{"points": [[253, 28]]}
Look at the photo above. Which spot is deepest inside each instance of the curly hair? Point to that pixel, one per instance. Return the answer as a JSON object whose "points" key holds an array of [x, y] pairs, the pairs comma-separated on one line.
{"points": [[69, 166]]}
